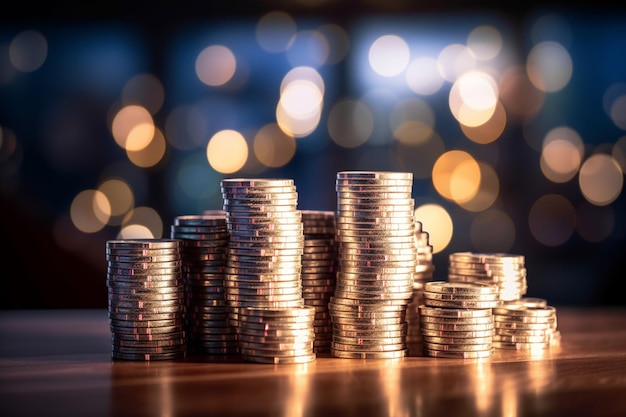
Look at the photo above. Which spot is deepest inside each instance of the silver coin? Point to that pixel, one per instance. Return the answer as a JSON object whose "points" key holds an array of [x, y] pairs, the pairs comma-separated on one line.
{"points": [[201, 220], [487, 257], [136, 244]]}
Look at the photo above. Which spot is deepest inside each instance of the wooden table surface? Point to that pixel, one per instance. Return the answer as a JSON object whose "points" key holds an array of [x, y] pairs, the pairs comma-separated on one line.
{"points": [[58, 363]]}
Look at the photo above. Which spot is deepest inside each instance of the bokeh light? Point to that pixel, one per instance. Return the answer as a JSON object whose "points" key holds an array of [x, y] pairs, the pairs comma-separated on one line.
{"points": [[28, 50], [473, 98], [227, 151], [423, 77], [389, 55], [485, 42], [275, 31], [455, 60], [437, 222], [216, 65], [549, 66], [133, 127], [601, 179], [90, 211], [140, 223], [119, 196], [151, 154], [562, 154], [456, 176], [273, 147]]}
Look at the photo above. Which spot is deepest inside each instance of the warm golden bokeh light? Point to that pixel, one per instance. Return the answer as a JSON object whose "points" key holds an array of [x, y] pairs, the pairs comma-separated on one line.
{"points": [[562, 154], [491, 130], [473, 98], [90, 211], [437, 222], [227, 151], [389, 55], [119, 195], [273, 147], [601, 179], [216, 65], [549, 66], [151, 154], [142, 222], [552, 219], [133, 127], [456, 176], [299, 108], [350, 123], [488, 190]]}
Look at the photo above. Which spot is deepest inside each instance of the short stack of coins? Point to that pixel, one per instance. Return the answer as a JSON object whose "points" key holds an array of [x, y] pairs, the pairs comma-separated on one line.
{"points": [[204, 239], [375, 232], [277, 336], [319, 263], [505, 270], [423, 273], [526, 324], [146, 299], [456, 319], [265, 245]]}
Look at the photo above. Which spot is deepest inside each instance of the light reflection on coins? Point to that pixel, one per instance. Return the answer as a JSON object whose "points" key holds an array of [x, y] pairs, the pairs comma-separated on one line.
{"points": [[375, 233], [146, 303]]}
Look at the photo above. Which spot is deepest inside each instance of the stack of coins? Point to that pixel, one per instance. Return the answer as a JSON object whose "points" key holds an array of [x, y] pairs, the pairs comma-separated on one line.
{"points": [[204, 239], [526, 324], [456, 319], [278, 336], [146, 299], [375, 232], [319, 277], [505, 270], [423, 274], [265, 245]]}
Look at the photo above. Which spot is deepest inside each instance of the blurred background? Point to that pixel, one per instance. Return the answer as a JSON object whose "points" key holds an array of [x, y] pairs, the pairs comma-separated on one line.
{"points": [[116, 118]]}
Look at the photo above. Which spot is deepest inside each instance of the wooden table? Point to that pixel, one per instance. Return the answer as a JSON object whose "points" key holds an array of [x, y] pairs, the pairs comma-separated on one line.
{"points": [[58, 363]]}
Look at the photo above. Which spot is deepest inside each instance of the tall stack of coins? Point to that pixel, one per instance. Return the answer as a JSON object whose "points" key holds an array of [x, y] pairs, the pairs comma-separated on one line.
{"points": [[146, 299], [505, 270], [265, 245], [423, 274], [375, 232], [526, 324], [456, 319], [204, 239], [319, 263], [278, 336]]}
